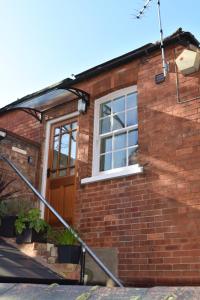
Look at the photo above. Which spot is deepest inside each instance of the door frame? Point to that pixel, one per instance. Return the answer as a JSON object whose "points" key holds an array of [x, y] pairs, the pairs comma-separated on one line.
{"points": [[45, 156]]}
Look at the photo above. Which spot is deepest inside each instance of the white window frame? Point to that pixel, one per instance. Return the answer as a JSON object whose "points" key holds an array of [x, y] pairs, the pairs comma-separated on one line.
{"points": [[98, 175]]}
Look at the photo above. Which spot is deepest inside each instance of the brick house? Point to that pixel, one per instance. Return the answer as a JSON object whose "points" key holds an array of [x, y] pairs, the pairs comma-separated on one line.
{"points": [[125, 172]]}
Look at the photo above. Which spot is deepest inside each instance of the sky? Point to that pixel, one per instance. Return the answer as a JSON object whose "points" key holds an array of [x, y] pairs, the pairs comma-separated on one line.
{"points": [[45, 41]]}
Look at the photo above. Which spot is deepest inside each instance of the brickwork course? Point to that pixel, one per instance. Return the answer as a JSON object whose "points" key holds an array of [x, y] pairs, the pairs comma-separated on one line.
{"points": [[153, 218]]}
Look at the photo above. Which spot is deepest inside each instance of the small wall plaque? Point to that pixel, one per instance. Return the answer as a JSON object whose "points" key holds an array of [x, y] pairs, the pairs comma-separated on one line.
{"points": [[18, 150]]}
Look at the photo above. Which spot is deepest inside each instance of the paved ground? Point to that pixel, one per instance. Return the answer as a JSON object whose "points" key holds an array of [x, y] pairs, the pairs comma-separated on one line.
{"points": [[15, 264], [53, 292]]}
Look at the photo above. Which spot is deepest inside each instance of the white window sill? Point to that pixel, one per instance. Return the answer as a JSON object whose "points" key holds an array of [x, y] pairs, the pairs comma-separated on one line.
{"points": [[121, 172]]}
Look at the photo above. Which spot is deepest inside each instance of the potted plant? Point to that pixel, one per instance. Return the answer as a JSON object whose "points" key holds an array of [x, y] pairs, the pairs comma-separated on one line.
{"points": [[30, 227], [68, 249], [9, 211]]}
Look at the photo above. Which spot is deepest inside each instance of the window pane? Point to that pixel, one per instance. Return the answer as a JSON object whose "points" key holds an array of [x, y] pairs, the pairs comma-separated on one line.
{"points": [[57, 131], [132, 118], [119, 159], [120, 141], [105, 109], [73, 149], [132, 137], [131, 100], [105, 125], [64, 150], [106, 144], [119, 104], [74, 125], [119, 121], [106, 162], [132, 156], [55, 152], [63, 172], [66, 128], [72, 171]]}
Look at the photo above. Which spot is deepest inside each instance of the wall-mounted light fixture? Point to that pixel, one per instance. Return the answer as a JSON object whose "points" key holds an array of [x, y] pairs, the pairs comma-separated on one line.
{"points": [[82, 106], [2, 135]]}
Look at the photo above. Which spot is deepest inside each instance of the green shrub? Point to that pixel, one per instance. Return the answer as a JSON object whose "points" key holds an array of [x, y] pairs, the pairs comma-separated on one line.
{"points": [[66, 237], [32, 220]]}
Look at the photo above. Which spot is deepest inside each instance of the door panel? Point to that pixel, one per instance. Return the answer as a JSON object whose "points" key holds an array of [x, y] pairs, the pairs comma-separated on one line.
{"points": [[61, 170]]}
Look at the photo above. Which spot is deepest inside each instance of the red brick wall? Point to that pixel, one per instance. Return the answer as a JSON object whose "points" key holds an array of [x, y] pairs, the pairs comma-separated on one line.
{"points": [[152, 219], [22, 124], [30, 170]]}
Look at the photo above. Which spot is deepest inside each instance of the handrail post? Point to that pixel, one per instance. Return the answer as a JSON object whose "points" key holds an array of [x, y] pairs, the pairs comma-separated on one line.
{"points": [[66, 225]]}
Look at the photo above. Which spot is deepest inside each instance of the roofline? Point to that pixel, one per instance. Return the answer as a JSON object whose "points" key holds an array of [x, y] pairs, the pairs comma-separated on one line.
{"points": [[182, 37], [178, 37]]}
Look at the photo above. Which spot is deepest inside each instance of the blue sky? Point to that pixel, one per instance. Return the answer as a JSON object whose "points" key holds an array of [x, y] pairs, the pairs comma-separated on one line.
{"points": [[45, 41]]}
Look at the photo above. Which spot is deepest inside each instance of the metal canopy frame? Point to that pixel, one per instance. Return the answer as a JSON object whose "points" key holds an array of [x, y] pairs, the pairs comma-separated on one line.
{"points": [[36, 112]]}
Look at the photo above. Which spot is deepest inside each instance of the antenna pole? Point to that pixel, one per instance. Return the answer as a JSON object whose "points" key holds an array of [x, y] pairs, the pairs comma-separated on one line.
{"points": [[143, 9], [165, 67]]}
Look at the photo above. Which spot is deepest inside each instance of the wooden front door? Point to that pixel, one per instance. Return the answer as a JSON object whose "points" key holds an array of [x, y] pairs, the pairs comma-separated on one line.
{"points": [[61, 171]]}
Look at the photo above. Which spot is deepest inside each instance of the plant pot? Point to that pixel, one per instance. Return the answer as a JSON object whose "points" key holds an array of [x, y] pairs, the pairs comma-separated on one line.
{"points": [[69, 254], [8, 226], [39, 237], [29, 235]]}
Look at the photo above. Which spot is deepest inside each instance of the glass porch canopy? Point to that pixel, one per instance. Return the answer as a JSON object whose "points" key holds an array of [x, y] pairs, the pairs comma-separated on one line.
{"points": [[38, 104]]}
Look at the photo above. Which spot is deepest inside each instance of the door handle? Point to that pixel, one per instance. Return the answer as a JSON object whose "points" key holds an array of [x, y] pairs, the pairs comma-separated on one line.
{"points": [[48, 172]]}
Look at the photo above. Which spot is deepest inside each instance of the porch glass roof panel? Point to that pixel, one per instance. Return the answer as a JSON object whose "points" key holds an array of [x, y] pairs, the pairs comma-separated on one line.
{"points": [[39, 103]]}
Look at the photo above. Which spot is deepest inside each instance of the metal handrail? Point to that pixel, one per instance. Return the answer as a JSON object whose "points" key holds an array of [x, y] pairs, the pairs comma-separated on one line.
{"points": [[66, 225]]}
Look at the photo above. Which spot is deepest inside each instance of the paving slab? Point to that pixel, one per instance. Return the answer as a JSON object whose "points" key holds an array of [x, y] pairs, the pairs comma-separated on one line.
{"points": [[54, 291]]}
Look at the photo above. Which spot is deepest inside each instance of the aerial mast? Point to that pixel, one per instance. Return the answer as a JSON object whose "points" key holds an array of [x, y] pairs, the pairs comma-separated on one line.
{"points": [[139, 15]]}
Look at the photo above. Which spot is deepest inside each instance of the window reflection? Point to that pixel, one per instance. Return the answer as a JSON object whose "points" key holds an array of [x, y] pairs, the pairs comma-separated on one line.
{"points": [[55, 152], [120, 141], [106, 162], [119, 121], [64, 150], [119, 104], [132, 118], [119, 159], [131, 100], [73, 149], [132, 156], [105, 109], [106, 144], [105, 125]]}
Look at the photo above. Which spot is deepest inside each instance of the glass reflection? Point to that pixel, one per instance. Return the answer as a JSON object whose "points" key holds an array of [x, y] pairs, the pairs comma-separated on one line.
{"points": [[119, 104], [119, 159], [132, 138], [105, 109], [64, 150], [73, 149], [55, 152], [119, 121], [106, 144], [105, 125], [132, 118], [131, 100], [106, 162], [120, 141], [132, 156]]}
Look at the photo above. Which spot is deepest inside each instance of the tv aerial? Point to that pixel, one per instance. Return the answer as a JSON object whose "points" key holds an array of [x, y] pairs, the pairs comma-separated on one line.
{"points": [[139, 16]]}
